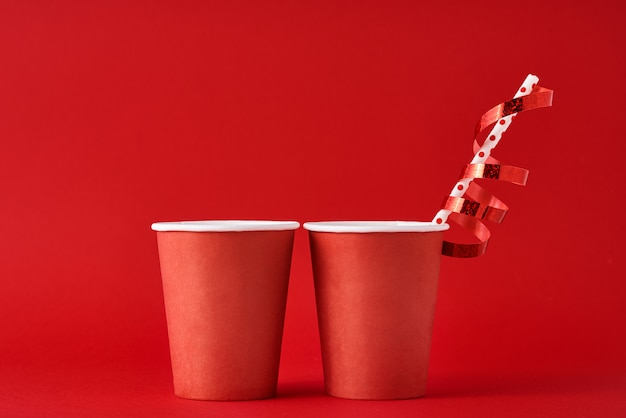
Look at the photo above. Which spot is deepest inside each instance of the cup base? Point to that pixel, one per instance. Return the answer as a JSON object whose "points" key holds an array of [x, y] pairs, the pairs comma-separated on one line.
{"points": [[221, 398]]}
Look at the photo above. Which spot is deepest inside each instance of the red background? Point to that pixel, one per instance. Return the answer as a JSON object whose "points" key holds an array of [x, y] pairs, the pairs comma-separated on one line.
{"points": [[117, 114]]}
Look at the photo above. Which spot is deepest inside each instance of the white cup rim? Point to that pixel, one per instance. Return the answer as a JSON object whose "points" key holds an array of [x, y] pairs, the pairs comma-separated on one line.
{"points": [[374, 226], [225, 226]]}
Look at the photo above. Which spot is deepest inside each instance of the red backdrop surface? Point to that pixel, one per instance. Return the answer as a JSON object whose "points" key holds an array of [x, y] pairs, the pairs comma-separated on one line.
{"points": [[117, 114]]}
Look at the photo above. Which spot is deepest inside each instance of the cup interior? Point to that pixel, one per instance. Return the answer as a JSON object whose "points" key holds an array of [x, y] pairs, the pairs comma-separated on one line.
{"points": [[225, 226], [374, 226]]}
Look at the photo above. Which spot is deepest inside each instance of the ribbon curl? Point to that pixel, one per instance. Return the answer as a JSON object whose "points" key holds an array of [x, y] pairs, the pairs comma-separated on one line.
{"points": [[477, 204]]}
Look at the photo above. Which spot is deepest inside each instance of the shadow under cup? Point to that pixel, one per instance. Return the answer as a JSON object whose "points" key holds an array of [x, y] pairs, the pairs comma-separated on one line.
{"points": [[225, 290], [375, 288]]}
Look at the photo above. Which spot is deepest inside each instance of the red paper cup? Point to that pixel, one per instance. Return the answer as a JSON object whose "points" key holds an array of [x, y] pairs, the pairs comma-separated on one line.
{"points": [[375, 289], [225, 289]]}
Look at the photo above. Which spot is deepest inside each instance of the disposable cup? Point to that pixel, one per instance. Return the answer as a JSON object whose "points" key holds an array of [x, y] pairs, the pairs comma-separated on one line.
{"points": [[225, 288], [375, 289]]}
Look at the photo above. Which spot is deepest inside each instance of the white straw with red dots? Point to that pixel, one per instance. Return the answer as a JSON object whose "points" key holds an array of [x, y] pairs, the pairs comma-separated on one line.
{"points": [[490, 143]]}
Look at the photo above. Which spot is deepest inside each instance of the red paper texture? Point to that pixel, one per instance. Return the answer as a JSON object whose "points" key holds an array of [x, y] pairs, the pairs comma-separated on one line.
{"points": [[225, 295], [376, 296]]}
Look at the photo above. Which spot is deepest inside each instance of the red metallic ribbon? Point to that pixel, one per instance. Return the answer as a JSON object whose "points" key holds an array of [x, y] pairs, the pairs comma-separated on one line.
{"points": [[477, 203]]}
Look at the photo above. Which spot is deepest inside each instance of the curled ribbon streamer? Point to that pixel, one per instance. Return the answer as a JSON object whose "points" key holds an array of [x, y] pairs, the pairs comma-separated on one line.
{"points": [[476, 203]]}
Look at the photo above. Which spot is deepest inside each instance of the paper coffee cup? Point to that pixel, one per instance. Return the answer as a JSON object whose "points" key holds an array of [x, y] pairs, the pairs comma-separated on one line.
{"points": [[225, 288], [375, 288]]}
